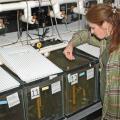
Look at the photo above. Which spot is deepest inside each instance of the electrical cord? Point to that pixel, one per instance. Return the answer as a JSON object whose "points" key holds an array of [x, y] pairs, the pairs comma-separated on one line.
{"points": [[41, 37], [66, 24], [39, 10], [27, 22], [51, 21], [56, 25], [19, 32], [56, 22], [79, 15], [66, 13], [27, 29]]}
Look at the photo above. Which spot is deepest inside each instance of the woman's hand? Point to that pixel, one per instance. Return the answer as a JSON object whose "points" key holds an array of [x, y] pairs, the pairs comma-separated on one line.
{"points": [[68, 52]]}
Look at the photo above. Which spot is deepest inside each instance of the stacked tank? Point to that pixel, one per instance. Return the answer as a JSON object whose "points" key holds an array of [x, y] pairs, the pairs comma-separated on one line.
{"points": [[72, 87], [81, 81], [44, 99], [41, 82], [11, 98]]}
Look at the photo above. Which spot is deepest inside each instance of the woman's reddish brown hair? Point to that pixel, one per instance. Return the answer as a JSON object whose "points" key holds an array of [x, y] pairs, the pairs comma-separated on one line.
{"points": [[102, 12]]}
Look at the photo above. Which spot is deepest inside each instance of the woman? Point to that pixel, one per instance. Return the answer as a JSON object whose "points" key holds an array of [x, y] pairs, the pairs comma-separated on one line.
{"points": [[104, 23]]}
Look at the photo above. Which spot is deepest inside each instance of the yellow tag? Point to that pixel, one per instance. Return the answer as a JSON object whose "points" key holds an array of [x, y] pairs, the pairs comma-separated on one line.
{"points": [[45, 88], [39, 45]]}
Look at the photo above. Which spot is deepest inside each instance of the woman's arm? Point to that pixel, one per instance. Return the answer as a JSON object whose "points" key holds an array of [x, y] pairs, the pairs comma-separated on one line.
{"points": [[80, 37]]}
